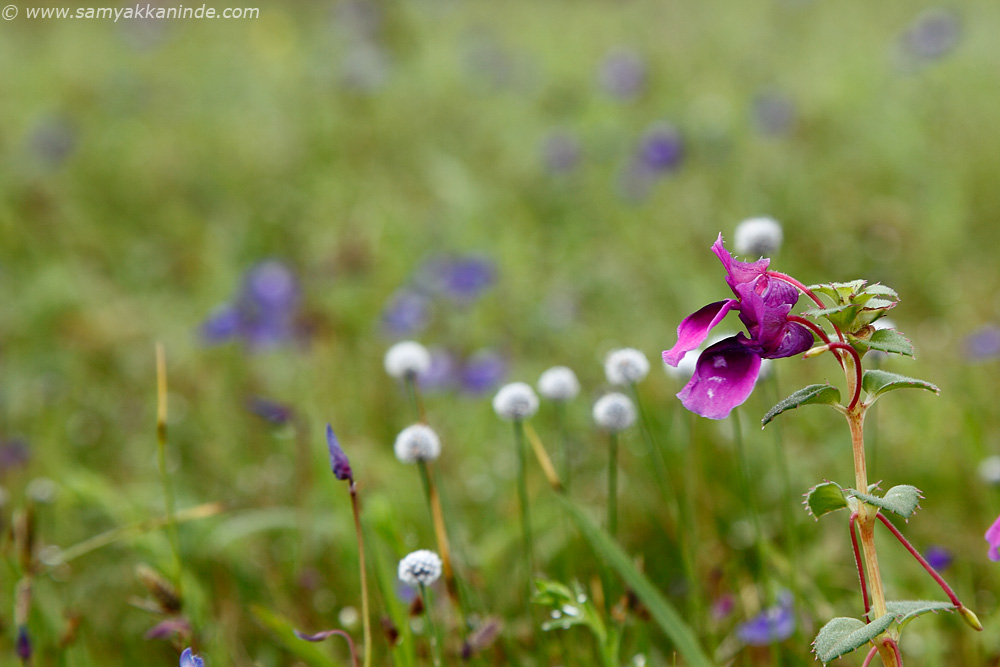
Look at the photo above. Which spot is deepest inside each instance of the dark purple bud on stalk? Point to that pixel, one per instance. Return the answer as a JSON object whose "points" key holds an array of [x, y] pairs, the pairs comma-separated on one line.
{"points": [[338, 459], [407, 312], [23, 644], [177, 626]]}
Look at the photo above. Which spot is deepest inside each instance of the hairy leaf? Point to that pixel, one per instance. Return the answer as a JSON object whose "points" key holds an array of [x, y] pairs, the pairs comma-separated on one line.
{"points": [[902, 500], [813, 394], [843, 635], [877, 382], [890, 340], [907, 610], [825, 498]]}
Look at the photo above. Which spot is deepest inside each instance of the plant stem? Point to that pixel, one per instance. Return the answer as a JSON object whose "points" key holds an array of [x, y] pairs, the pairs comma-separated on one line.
{"points": [[923, 562], [861, 569], [440, 532], [365, 615], [564, 437], [522, 493], [414, 396], [161, 456], [748, 500], [432, 630], [613, 484]]}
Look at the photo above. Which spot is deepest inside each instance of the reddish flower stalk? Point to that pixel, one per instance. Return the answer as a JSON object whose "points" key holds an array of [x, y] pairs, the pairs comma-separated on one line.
{"points": [[920, 559], [805, 290], [891, 643], [871, 656], [818, 330], [857, 371], [861, 569]]}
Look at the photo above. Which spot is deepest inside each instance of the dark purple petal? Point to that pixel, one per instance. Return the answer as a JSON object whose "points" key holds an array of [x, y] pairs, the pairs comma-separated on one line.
{"points": [[738, 272], [693, 329], [766, 318], [939, 558], [482, 372], [993, 537], [23, 644], [462, 278], [271, 411], [224, 323], [170, 628], [406, 313], [14, 453], [723, 378], [271, 286], [770, 626], [338, 459]]}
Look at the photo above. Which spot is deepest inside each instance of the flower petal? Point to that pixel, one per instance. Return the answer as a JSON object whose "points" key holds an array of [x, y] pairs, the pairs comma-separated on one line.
{"points": [[724, 377], [738, 272], [993, 537], [693, 329]]}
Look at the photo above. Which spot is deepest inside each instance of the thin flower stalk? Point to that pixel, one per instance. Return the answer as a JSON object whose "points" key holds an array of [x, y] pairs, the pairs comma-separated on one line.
{"points": [[435, 638], [522, 494], [365, 613], [161, 441], [441, 536], [923, 562], [861, 569], [613, 484]]}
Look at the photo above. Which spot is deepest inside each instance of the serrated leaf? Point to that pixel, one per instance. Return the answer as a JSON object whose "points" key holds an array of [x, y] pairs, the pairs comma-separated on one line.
{"points": [[890, 340], [813, 394], [902, 500], [827, 312], [877, 382], [907, 610], [881, 290], [841, 292], [843, 635], [825, 498], [873, 303]]}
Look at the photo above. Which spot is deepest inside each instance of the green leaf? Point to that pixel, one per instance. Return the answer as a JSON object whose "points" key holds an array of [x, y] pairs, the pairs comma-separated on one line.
{"points": [[282, 629], [889, 340], [843, 635], [813, 394], [840, 292], [907, 610], [668, 618], [902, 500], [825, 498], [881, 290], [877, 382]]}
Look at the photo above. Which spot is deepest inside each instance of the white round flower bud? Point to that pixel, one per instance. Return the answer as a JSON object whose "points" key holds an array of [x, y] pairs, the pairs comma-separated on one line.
{"points": [[758, 237], [625, 366], [420, 568], [614, 412], [417, 443], [514, 401], [407, 360], [558, 384], [989, 470]]}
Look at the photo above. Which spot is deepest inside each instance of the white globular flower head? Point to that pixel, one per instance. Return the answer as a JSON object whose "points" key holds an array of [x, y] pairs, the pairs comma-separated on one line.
{"points": [[420, 568], [758, 237], [407, 360], [614, 412], [417, 443], [625, 366], [684, 369], [515, 401], [989, 470], [558, 383]]}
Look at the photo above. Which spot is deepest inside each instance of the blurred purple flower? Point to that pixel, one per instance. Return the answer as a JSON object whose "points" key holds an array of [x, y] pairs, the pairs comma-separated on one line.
{"points": [[723, 606], [773, 113], [461, 278], [406, 313], [263, 313], [189, 659], [482, 372], [270, 411], [932, 35], [771, 625], [338, 459], [939, 558], [441, 374], [14, 453], [175, 626], [993, 537], [622, 73], [661, 148], [560, 151], [983, 344], [23, 644], [53, 140]]}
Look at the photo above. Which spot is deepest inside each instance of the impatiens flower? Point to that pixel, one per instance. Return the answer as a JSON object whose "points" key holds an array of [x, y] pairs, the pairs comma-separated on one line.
{"points": [[993, 537], [339, 463], [727, 371], [771, 625], [189, 659]]}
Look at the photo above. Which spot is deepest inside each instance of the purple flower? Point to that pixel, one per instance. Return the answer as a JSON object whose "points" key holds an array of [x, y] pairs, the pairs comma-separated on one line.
{"points": [[440, 374], [771, 625], [932, 34], [13, 454], [338, 459], [461, 278], [270, 411], [23, 644], [175, 626], [406, 313], [983, 344], [727, 371], [482, 372], [661, 149], [189, 659], [939, 558], [560, 151], [263, 313], [993, 537], [623, 73]]}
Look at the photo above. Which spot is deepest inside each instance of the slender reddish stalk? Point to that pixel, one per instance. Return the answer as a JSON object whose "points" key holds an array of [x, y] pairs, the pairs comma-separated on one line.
{"points": [[365, 614], [818, 330], [861, 569], [871, 656], [920, 559], [891, 643], [857, 372], [808, 292]]}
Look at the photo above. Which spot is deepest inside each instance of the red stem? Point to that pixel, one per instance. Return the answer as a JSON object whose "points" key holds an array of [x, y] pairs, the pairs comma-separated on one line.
{"points": [[857, 371], [890, 642], [920, 559], [805, 290], [816, 329], [871, 655], [861, 570]]}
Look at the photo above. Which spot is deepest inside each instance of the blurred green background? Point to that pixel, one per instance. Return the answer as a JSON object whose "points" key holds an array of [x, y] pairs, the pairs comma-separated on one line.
{"points": [[146, 165]]}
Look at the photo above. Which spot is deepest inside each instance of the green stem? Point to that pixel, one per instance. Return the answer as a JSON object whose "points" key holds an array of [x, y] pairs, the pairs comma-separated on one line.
{"points": [[613, 484], [365, 614], [161, 457], [522, 493], [749, 501], [413, 394], [432, 630], [564, 438]]}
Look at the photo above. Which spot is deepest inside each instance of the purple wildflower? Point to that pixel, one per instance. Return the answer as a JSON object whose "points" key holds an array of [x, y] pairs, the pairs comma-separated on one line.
{"points": [[623, 73], [270, 411], [440, 374], [723, 606], [264, 312], [727, 371], [14, 453], [661, 149], [560, 151], [932, 35], [338, 459], [461, 278], [993, 537], [939, 558], [23, 644], [772, 625], [175, 626], [983, 344], [482, 371], [406, 313], [189, 659]]}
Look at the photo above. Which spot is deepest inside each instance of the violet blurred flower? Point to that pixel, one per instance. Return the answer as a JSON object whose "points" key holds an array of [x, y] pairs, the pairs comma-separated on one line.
{"points": [[771, 625], [189, 659], [175, 626], [983, 344], [482, 371], [14, 453], [932, 35], [727, 371], [270, 411], [263, 313], [723, 606], [23, 644], [406, 313], [661, 148], [623, 73], [773, 113], [53, 140], [560, 151], [939, 558], [993, 537], [461, 278], [440, 375], [338, 459]]}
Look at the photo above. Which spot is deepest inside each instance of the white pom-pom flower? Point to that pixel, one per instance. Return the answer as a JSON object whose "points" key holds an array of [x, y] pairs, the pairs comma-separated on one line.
{"points": [[515, 401], [758, 237], [407, 360], [417, 443], [625, 366], [614, 412], [558, 384], [420, 568], [989, 470]]}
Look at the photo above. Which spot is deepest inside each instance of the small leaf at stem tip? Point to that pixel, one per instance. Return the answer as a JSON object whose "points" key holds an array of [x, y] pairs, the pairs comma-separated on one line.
{"points": [[877, 382], [902, 500], [825, 498], [889, 340], [813, 394], [970, 618], [907, 610], [844, 635]]}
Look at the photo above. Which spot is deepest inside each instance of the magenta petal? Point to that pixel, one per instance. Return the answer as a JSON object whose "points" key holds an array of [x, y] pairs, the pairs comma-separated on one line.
{"points": [[723, 378], [993, 537], [738, 272], [694, 328]]}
